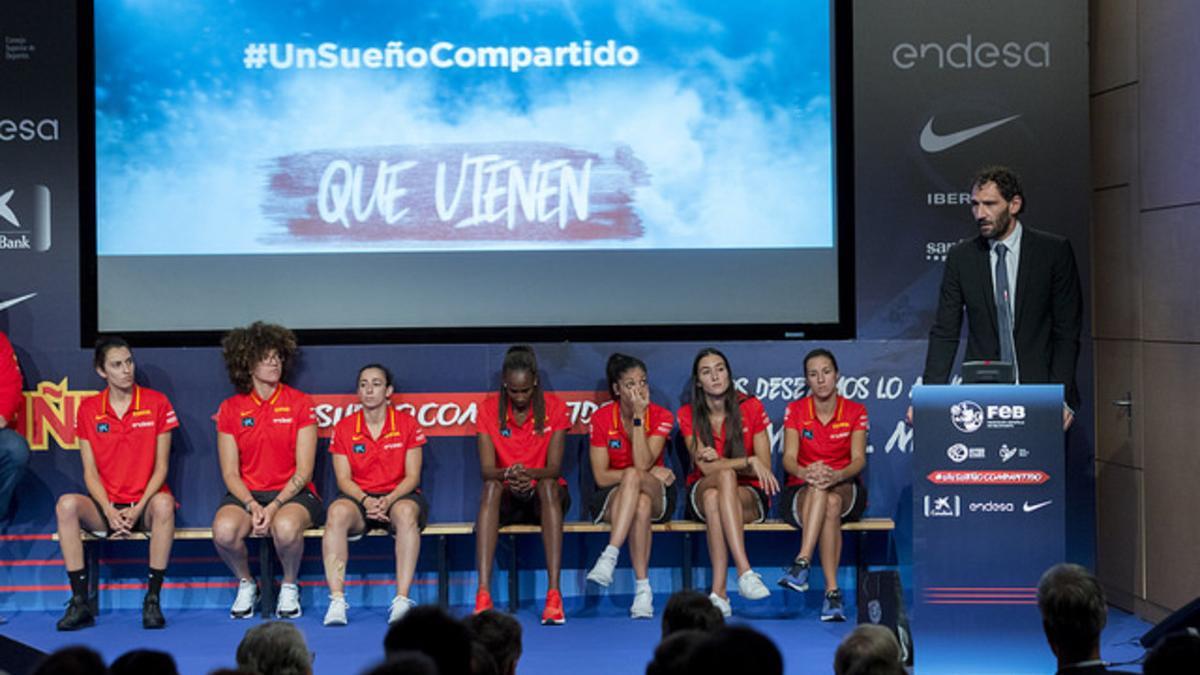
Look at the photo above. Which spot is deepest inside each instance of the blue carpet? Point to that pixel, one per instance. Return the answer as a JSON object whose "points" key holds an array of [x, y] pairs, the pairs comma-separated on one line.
{"points": [[598, 639]]}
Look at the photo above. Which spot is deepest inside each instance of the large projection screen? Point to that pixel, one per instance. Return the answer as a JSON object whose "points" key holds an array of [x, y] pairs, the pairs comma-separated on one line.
{"points": [[465, 164]]}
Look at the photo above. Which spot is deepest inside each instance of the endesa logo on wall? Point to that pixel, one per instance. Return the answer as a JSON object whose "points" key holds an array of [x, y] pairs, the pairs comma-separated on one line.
{"points": [[50, 413], [449, 414], [970, 53], [996, 477]]}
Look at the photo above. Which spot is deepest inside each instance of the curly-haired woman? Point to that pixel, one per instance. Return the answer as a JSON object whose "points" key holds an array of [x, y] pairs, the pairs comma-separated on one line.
{"points": [[266, 443]]}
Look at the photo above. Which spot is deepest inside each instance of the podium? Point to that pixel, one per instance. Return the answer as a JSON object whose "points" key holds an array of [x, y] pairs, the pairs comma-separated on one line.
{"points": [[988, 519]]}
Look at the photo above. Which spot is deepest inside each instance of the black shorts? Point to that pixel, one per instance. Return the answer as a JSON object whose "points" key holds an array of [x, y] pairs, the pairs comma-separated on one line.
{"points": [[414, 496], [694, 512], [854, 501], [140, 526], [305, 498], [598, 504], [516, 510]]}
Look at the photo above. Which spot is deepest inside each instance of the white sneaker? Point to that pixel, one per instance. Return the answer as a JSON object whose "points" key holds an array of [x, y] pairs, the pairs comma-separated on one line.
{"points": [[336, 614], [247, 598], [643, 604], [721, 604], [602, 573], [288, 606], [751, 587], [400, 606]]}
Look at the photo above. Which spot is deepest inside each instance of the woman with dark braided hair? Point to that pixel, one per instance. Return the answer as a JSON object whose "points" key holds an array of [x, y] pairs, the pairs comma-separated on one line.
{"points": [[266, 443], [731, 480], [634, 487], [521, 432]]}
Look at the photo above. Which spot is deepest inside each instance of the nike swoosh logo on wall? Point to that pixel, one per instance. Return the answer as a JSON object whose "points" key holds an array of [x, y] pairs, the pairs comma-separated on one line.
{"points": [[9, 303], [1030, 508], [932, 141]]}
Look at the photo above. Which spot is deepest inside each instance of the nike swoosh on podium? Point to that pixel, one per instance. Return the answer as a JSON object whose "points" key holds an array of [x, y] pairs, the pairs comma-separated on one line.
{"points": [[932, 141], [9, 303], [1030, 508]]}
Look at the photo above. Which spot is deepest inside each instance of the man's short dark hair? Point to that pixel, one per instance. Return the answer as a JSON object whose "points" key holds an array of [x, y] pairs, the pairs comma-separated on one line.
{"points": [[275, 647], [144, 662], [430, 630], [869, 649], [405, 663], [735, 649], [672, 655], [1007, 182], [1073, 611], [690, 610], [500, 634], [75, 660]]}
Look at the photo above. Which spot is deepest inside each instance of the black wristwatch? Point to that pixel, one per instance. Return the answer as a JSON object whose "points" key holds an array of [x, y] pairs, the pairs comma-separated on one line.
{"points": [[637, 421]]}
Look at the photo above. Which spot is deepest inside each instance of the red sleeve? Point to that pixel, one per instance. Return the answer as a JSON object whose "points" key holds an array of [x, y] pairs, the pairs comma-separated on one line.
{"points": [[661, 421], [11, 397], [167, 420], [861, 423], [557, 415], [599, 428], [416, 435], [685, 420], [756, 416], [337, 440], [791, 415], [486, 421], [227, 422], [308, 412], [83, 419]]}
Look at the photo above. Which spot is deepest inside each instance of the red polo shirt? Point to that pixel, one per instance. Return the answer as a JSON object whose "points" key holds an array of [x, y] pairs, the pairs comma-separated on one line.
{"points": [[519, 443], [11, 398], [124, 447], [608, 431], [266, 432], [377, 464], [829, 443], [754, 420]]}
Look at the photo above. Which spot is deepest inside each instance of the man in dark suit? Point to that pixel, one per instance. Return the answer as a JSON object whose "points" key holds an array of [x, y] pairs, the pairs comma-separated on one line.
{"points": [[1021, 292]]}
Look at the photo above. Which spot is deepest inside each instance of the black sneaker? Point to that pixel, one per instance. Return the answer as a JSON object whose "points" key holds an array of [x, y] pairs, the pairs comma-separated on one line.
{"points": [[152, 616], [796, 577], [78, 615], [832, 609]]}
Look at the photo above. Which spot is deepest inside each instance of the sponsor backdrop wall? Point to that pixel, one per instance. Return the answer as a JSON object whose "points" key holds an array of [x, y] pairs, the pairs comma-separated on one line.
{"points": [[940, 88]]}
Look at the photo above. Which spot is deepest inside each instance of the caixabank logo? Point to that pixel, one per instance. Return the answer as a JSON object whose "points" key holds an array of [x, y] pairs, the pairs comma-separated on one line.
{"points": [[49, 413], [25, 218]]}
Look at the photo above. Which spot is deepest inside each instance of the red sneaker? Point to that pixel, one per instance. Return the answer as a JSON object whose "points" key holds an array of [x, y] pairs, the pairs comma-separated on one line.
{"points": [[553, 613], [483, 601]]}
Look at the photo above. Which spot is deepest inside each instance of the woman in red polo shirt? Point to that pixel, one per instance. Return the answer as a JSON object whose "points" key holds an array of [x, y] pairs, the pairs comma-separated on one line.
{"points": [[125, 444], [633, 485], [731, 479], [824, 452], [521, 433], [266, 443], [377, 461]]}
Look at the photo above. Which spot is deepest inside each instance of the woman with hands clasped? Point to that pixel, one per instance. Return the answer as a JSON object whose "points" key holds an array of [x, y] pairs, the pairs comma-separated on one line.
{"points": [[824, 452], [731, 480]]}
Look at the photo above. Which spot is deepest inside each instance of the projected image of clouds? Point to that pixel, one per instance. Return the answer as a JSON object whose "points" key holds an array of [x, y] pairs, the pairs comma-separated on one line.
{"points": [[462, 126]]}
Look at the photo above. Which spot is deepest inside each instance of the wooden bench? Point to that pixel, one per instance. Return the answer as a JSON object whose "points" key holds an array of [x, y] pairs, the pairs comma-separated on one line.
{"points": [[442, 531]]}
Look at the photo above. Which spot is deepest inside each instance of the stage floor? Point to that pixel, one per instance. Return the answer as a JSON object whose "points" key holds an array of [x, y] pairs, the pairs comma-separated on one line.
{"points": [[598, 638]]}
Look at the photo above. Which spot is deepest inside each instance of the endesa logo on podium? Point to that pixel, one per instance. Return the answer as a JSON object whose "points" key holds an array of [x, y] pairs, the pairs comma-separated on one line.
{"points": [[969, 417]]}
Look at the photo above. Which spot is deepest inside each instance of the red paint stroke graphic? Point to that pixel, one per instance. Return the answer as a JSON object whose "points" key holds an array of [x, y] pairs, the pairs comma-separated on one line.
{"points": [[455, 192]]}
